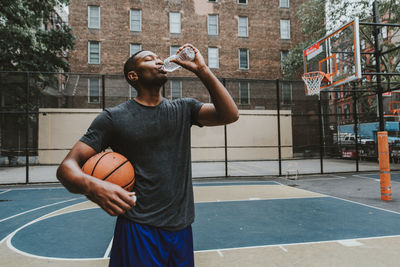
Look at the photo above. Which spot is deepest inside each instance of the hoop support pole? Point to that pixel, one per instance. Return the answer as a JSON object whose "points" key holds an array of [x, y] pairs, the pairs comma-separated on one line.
{"points": [[384, 166]]}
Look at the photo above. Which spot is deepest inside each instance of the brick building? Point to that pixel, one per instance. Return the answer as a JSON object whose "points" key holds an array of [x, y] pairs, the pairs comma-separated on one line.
{"points": [[240, 39]]}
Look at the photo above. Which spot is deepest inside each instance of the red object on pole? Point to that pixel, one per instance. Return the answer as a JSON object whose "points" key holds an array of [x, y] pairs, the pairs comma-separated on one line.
{"points": [[384, 166]]}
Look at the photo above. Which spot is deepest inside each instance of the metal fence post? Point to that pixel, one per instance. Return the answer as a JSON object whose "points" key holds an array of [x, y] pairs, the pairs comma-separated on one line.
{"points": [[321, 137], [377, 53], [103, 90], [27, 130], [355, 100], [225, 141], [278, 104]]}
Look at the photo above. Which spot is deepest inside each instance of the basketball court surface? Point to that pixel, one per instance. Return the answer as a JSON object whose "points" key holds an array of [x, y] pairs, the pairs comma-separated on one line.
{"points": [[319, 220]]}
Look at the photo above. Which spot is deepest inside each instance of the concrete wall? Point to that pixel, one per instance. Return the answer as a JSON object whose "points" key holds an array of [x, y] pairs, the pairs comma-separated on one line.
{"points": [[59, 130], [253, 137]]}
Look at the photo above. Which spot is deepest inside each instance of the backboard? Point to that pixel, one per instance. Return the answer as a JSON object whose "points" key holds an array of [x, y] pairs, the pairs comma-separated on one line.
{"points": [[337, 55]]}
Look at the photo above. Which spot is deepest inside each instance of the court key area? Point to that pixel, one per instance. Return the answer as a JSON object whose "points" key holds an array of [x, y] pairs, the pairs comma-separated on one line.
{"points": [[240, 222]]}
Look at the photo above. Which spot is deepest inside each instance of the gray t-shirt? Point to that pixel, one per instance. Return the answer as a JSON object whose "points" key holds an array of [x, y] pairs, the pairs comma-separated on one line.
{"points": [[156, 140]]}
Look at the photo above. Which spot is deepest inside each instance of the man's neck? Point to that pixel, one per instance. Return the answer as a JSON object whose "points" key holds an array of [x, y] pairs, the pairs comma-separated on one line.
{"points": [[147, 99]]}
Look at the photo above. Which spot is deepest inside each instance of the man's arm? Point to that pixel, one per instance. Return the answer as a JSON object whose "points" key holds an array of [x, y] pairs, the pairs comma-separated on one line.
{"points": [[223, 109], [111, 198]]}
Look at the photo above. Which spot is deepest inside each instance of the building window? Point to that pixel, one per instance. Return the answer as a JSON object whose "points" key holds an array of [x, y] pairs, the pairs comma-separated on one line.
{"points": [[339, 111], [174, 22], [173, 49], [243, 59], [286, 93], [176, 89], [338, 94], [284, 55], [212, 23], [346, 111], [94, 17], [136, 20], [134, 48], [132, 92], [243, 27], [213, 1], [285, 29], [244, 93], [284, 3], [213, 57], [94, 52], [242, 2], [94, 90]]}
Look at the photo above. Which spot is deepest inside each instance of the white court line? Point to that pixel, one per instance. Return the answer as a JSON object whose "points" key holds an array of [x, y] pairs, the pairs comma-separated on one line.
{"points": [[40, 188], [108, 250], [369, 206], [44, 217], [8, 190], [235, 183], [350, 243], [38, 208], [294, 244], [337, 176], [366, 205], [284, 249], [365, 177], [260, 199]]}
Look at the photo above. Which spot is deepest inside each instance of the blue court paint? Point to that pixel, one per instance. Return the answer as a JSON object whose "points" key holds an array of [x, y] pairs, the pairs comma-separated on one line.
{"points": [[80, 234], [18, 201], [272, 222], [218, 225], [236, 183]]}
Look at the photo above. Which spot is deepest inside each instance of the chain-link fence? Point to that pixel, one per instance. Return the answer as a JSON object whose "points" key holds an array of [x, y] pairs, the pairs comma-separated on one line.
{"points": [[280, 131]]}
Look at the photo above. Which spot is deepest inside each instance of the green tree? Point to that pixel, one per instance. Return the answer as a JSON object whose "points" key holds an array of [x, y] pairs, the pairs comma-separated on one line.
{"points": [[311, 15], [33, 39], [30, 40]]}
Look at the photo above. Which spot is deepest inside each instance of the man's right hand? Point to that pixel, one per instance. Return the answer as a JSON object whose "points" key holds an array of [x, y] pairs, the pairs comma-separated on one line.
{"points": [[110, 197]]}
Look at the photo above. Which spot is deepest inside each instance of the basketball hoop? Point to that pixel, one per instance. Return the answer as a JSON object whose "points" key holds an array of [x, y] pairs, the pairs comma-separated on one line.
{"points": [[313, 81]]}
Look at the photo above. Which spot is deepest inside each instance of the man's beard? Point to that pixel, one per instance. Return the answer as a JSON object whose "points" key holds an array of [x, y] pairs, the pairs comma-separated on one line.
{"points": [[156, 82]]}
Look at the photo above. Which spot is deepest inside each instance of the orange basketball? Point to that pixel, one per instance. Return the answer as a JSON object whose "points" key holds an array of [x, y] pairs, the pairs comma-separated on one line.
{"points": [[111, 167]]}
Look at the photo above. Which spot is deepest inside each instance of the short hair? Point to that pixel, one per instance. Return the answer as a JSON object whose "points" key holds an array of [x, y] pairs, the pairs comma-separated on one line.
{"points": [[130, 65]]}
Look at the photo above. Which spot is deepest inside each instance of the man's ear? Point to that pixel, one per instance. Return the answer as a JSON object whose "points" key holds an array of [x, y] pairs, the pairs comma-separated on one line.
{"points": [[132, 75]]}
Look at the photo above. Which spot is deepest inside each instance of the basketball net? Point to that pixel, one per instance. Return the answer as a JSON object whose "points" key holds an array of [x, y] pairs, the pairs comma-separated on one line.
{"points": [[313, 81]]}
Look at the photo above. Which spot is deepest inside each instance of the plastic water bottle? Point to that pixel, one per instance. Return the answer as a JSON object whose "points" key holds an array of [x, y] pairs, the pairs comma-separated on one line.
{"points": [[186, 54]]}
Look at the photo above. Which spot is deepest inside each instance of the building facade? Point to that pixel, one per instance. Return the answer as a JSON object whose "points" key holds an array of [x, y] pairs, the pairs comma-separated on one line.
{"points": [[239, 39]]}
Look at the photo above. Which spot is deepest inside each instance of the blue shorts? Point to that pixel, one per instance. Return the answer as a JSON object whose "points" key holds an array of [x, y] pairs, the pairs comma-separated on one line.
{"points": [[141, 245]]}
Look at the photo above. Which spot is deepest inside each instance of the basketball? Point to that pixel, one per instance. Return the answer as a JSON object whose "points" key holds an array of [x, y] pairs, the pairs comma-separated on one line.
{"points": [[111, 167]]}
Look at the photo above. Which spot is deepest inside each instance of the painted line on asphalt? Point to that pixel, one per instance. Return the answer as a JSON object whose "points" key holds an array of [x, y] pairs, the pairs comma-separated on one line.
{"points": [[44, 217], [294, 244], [38, 208], [8, 190], [108, 250]]}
